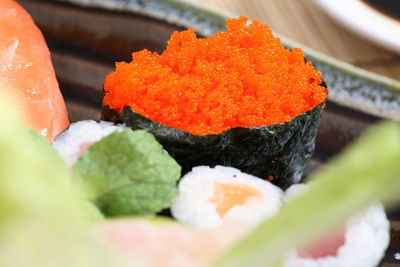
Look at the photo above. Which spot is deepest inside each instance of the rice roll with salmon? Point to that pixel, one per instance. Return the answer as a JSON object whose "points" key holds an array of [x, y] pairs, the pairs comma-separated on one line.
{"points": [[72, 143], [210, 197], [361, 241], [238, 98]]}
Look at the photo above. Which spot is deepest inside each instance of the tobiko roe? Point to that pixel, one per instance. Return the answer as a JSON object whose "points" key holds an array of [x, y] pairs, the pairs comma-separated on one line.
{"points": [[240, 77], [238, 98]]}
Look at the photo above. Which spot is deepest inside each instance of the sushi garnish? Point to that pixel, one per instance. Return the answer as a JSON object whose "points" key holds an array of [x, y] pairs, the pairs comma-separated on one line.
{"points": [[44, 219], [209, 197], [128, 173], [242, 77], [27, 77]]}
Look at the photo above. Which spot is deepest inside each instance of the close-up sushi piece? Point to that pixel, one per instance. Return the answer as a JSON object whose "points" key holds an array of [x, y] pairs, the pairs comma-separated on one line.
{"points": [[238, 98], [73, 142], [362, 241], [210, 197], [213, 133], [27, 76]]}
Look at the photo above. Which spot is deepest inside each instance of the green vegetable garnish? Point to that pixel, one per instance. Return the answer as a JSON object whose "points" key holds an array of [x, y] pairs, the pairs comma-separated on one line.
{"points": [[367, 172], [43, 147], [128, 173], [42, 218]]}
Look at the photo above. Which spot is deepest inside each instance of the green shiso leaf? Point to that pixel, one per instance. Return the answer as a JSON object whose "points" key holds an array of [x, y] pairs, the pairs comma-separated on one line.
{"points": [[367, 172], [128, 173], [42, 221]]}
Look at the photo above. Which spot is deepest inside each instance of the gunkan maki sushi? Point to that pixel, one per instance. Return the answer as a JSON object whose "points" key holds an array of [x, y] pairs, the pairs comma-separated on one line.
{"points": [[238, 98]]}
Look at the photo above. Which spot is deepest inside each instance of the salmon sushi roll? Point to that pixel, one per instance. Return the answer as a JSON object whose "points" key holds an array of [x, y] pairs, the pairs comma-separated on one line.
{"points": [[72, 143], [209, 197], [361, 241]]}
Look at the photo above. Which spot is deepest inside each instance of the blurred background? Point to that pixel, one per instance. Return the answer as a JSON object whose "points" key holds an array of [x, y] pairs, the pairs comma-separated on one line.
{"points": [[305, 22]]}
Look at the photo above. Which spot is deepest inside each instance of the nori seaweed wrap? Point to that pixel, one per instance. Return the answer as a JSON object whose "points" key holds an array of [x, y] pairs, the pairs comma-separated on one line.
{"points": [[205, 98], [276, 152]]}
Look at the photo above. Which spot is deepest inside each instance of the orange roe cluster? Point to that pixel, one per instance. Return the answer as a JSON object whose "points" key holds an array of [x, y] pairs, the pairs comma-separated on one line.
{"points": [[240, 77]]}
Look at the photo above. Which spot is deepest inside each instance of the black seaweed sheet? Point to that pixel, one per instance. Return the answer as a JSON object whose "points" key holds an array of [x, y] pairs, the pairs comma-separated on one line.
{"points": [[277, 152]]}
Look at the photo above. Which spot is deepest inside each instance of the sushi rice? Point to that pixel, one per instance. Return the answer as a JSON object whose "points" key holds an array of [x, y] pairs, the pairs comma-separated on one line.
{"points": [[80, 135], [210, 197], [366, 237]]}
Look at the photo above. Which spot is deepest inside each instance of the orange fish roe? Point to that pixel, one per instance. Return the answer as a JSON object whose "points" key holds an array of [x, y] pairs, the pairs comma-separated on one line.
{"points": [[240, 77]]}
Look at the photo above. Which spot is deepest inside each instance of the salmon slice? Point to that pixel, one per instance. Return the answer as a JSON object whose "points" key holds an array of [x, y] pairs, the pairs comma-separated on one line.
{"points": [[27, 75]]}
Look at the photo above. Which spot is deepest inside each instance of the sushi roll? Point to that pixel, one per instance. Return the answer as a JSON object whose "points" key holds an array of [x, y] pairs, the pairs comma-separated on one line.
{"points": [[362, 241], [210, 197], [80, 135], [238, 98]]}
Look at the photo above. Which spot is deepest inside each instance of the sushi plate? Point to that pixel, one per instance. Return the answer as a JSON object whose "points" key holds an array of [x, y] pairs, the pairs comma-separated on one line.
{"points": [[86, 37], [362, 18]]}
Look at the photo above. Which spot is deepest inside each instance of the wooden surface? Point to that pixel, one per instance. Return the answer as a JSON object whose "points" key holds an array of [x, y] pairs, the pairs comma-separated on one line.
{"points": [[304, 22]]}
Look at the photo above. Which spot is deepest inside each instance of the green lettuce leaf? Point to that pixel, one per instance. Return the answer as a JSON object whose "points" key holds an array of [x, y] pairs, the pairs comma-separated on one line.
{"points": [[367, 172], [128, 173], [43, 221]]}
